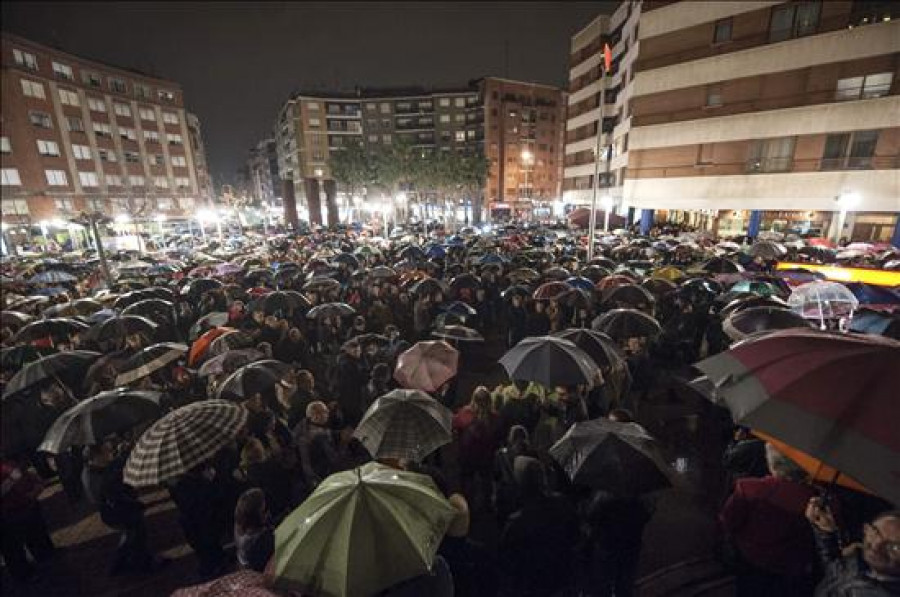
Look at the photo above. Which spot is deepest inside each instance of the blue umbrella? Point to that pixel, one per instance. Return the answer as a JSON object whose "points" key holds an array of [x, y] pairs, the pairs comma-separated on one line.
{"points": [[491, 258], [436, 252], [580, 283], [868, 294], [52, 277]]}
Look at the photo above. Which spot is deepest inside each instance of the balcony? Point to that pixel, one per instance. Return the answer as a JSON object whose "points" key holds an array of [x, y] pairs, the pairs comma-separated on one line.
{"points": [[760, 165]]}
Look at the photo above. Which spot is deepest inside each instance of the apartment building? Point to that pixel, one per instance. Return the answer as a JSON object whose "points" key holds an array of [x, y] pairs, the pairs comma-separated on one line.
{"points": [[748, 116], [205, 190], [262, 179], [517, 125], [598, 103], [79, 135]]}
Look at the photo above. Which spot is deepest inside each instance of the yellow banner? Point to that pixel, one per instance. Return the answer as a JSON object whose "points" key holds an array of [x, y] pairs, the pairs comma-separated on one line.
{"points": [[876, 277]]}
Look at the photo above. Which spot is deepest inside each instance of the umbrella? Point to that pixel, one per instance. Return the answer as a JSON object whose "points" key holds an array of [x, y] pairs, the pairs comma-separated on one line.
{"points": [[14, 320], [600, 347], [520, 291], [67, 367], [550, 361], [427, 286], [594, 273], [427, 365], [382, 272], [523, 274], [407, 424], [557, 273], [868, 321], [491, 259], [231, 340], [658, 287], [461, 310], [331, 310], [229, 361], [247, 381], [56, 329], [620, 458], [26, 302], [13, 358], [767, 249], [823, 300], [610, 282], [799, 275], [201, 344], [551, 290], [322, 284], [360, 532], [629, 294], [281, 301], [621, 324], [136, 296], [194, 289], [867, 294], [91, 420], [207, 322], [155, 309], [244, 583], [150, 359], [52, 277], [120, 327], [73, 308], [830, 395], [752, 301], [457, 333], [228, 269], [720, 265], [756, 287], [580, 283], [743, 323], [183, 439]]}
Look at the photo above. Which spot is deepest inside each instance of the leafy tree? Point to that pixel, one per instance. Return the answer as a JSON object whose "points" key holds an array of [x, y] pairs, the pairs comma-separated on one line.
{"points": [[474, 173], [353, 168]]}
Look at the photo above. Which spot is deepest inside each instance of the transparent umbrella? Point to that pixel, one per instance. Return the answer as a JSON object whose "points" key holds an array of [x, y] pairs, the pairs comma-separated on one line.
{"points": [[823, 300]]}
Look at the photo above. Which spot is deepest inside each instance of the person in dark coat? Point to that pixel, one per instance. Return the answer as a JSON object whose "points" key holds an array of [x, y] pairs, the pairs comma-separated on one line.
{"points": [[317, 443], [507, 497], [475, 426], [21, 518], [517, 322], [254, 539], [538, 321], [745, 457], [351, 378], [198, 505]]}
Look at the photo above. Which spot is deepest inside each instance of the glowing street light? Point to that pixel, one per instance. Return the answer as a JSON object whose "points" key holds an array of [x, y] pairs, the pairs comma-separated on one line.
{"points": [[123, 219], [846, 201]]}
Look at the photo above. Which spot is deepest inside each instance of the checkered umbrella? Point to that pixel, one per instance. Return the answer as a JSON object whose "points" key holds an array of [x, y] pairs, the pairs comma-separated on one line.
{"points": [[182, 440], [150, 359], [406, 424]]}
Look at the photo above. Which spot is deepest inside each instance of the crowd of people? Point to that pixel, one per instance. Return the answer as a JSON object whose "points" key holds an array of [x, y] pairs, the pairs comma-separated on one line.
{"points": [[330, 314]]}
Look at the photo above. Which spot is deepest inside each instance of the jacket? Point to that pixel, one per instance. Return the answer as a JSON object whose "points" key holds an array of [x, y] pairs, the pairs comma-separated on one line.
{"points": [[849, 575]]}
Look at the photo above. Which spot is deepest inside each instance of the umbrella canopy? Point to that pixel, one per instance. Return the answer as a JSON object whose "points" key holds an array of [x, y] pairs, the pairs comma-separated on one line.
{"points": [[360, 532], [830, 395], [756, 287], [580, 283], [767, 249], [427, 365], [823, 300], [247, 381], [205, 323], [551, 290], [231, 340], [868, 321], [116, 328], [867, 294], [13, 358], [91, 420], [550, 361], [600, 347], [621, 324], [201, 344], [523, 275], [406, 424], [228, 361], [659, 287], [630, 295], [52, 277], [750, 302], [427, 286], [194, 289], [741, 324], [460, 309], [281, 301], [331, 310], [155, 309], [610, 282], [720, 265], [150, 359], [72, 308], [66, 367], [245, 583], [183, 439], [14, 320], [620, 458], [57, 329], [457, 333]]}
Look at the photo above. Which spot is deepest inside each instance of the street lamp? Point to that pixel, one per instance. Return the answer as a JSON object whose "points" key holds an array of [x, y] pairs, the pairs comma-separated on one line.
{"points": [[846, 201], [527, 160]]}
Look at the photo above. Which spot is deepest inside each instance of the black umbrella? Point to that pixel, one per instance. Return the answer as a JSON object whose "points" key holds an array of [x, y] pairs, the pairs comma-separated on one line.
{"points": [[629, 294], [281, 301], [14, 319], [741, 324], [194, 289], [428, 286], [600, 347], [520, 291], [258, 277], [231, 340], [459, 309], [869, 321], [750, 301], [149, 360], [120, 327], [767, 249], [620, 458], [210, 320], [549, 361], [347, 259], [91, 420], [13, 358], [155, 309], [247, 381], [136, 296], [594, 273], [556, 273], [720, 265], [66, 367], [659, 287], [457, 333], [321, 284], [331, 310], [73, 308], [463, 281], [621, 324], [58, 329]]}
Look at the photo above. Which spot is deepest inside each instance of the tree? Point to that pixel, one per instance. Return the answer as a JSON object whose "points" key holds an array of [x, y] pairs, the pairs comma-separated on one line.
{"points": [[397, 166], [353, 168], [475, 171]]}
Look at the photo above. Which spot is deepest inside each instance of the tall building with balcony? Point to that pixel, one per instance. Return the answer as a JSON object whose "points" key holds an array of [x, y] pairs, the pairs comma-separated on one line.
{"points": [[262, 172], [749, 116], [79, 135]]}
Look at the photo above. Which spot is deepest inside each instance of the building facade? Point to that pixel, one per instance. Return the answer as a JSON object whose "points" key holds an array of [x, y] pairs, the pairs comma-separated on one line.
{"points": [[263, 182], [500, 119], [81, 136], [766, 115]]}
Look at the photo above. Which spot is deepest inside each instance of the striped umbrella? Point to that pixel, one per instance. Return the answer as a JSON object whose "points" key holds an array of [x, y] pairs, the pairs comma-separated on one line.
{"points": [[832, 396], [150, 359], [406, 424], [427, 365], [182, 440]]}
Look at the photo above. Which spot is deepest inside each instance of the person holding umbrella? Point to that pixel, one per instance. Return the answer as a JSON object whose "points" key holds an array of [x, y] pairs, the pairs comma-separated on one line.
{"points": [[475, 427], [22, 519]]}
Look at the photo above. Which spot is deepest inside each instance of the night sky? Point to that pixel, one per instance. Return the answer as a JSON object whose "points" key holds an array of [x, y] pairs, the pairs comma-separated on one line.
{"points": [[238, 62]]}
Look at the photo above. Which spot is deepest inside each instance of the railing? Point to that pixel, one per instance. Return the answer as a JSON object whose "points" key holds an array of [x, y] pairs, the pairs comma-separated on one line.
{"points": [[755, 165], [779, 167]]}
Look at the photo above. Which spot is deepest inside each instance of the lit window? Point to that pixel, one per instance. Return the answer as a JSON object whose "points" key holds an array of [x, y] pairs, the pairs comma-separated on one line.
{"points": [[92, 79], [445, 118], [74, 124], [68, 98], [175, 139], [444, 102], [148, 114], [88, 179], [164, 204], [113, 180], [122, 109], [101, 129], [182, 182], [386, 139], [160, 182], [48, 148], [127, 133], [132, 157], [10, 178], [96, 104], [25, 59], [63, 71], [56, 178], [141, 91], [460, 135], [869, 86], [40, 120], [371, 107], [136, 181], [459, 117], [151, 136], [117, 85], [13, 207], [5, 147], [460, 102], [170, 117], [81, 152], [165, 95], [107, 155], [33, 89], [179, 160], [314, 122], [385, 107], [64, 205]]}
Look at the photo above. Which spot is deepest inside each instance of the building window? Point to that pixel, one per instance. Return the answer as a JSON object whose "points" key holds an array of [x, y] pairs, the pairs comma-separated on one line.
{"points": [[470, 135], [13, 207], [63, 71], [101, 129], [460, 102], [385, 107], [170, 117], [122, 109], [40, 120], [96, 104], [315, 122], [64, 205], [869, 86], [160, 182], [81, 152], [10, 178], [132, 157], [56, 178], [25, 59], [849, 151], [373, 138], [386, 139], [127, 133], [117, 85], [151, 136], [156, 159], [713, 96], [460, 136], [371, 107], [444, 102], [33, 89], [68, 98], [74, 124], [794, 20], [91, 78], [164, 204], [148, 114], [182, 182], [771, 155], [141, 91], [107, 155], [113, 180], [179, 160], [312, 106], [5, 147], [165, 95], [175, 139], [136, 181], [445, 118], [88, 179], [459, 117], [48, 148], [723, 31]]}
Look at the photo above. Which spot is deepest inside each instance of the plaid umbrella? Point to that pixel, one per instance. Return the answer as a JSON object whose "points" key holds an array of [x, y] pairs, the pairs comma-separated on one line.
{"points": [[406, 424], [66, 367], [830, 395], [427, 365], [182, 440], [245, 583], [93, 419], [150, 359], [549, 361], [620, 324]]}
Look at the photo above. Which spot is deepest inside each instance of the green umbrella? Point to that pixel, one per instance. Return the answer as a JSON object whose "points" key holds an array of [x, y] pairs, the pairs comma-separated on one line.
{"points": [[361, 532]]}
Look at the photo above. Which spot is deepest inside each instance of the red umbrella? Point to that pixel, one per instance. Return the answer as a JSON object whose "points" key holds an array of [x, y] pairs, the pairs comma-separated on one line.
{"points": [[201, 345], [551, 290], [427, 365], [832, 396], [613, 281]]}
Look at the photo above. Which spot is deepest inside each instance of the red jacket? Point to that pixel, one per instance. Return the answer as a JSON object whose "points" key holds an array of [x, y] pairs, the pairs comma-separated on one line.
{"points": [[765, 518]]}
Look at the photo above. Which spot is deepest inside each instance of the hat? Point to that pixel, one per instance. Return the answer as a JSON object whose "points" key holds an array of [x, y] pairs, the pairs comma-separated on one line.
{"points": [[459, 526]]}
